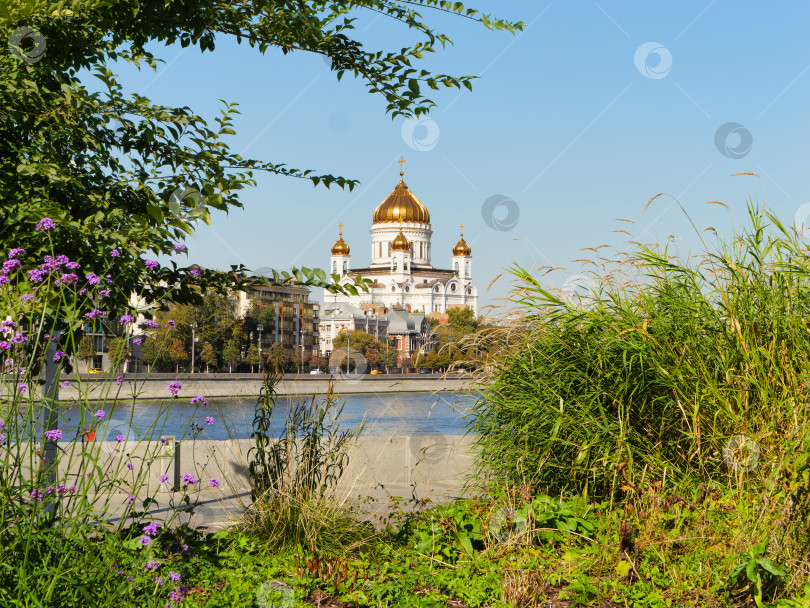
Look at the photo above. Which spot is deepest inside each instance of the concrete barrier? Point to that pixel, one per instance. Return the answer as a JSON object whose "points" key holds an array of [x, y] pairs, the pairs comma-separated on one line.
{"points": [[419, 466]]}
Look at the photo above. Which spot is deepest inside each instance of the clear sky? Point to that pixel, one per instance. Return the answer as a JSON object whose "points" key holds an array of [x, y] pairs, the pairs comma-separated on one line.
{"points": [[577, 121]]}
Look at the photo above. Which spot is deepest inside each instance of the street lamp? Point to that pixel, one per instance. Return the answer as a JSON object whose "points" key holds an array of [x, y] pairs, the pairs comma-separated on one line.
{"points": [[260, 328], [193, 326]]}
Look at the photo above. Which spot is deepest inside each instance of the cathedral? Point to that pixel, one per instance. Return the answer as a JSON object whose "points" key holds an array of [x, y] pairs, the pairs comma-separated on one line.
{"points": [[400, 268]]}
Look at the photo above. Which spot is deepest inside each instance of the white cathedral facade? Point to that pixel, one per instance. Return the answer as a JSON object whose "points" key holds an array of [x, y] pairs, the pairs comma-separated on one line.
{"points": [[401, 269]]}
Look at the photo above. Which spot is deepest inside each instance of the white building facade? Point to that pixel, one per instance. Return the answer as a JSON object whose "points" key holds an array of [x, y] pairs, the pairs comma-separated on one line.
{"points": [[401, 268]]}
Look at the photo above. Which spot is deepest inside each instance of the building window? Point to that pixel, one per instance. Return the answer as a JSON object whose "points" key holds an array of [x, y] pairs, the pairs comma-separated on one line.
{"points": [[453, 287], [407, 288], [437, 289], [466, 268], [345, 266], [395, 264], [334, 267], [393, 288], [456, 267]]}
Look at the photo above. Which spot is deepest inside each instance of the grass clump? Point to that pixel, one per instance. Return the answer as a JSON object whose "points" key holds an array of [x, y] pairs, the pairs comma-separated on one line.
{"points": [[294, 478], [674, 372]]}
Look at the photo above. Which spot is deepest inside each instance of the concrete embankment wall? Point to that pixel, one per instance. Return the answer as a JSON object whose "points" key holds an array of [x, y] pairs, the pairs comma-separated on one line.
{"points": [[434, 466], [249, 385]]}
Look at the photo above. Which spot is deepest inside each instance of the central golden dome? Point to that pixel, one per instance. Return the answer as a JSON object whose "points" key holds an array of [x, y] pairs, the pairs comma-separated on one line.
{"points": [[401, 206]]}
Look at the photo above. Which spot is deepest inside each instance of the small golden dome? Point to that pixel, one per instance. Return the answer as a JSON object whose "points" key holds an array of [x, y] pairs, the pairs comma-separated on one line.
{"points": [[401, 206], [340, 247], [462, 248], [400, 243]]}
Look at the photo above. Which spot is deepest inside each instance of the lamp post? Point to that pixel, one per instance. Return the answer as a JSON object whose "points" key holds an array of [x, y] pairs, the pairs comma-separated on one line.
{"points": [[260, 328], [193, 326]]}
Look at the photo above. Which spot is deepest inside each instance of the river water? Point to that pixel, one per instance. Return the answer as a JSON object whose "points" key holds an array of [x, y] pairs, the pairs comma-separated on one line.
{"points": [[392, 414]]}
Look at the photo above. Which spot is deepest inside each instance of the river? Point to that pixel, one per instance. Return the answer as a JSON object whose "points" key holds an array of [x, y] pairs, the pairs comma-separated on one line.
{"points": [[391, 414]]}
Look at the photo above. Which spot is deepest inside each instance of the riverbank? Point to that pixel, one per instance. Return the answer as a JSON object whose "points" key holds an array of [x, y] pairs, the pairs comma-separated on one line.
{"points": [[249, 385]]}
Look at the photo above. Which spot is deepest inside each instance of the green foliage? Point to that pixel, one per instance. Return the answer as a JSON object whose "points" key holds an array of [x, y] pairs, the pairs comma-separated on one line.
{"points": [[758, 575], [208, 356], [463, 318], [231, 353], [86, 350], [657, 370], [118, 351], [253, 357]]}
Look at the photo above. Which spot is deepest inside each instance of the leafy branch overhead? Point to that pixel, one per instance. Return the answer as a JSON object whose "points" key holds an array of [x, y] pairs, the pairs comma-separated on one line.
{"points": [[116, 171]]}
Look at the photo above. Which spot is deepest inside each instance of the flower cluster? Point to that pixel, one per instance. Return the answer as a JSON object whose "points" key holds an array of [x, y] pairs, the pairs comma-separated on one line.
{"points": [[199, 400], [189, 479], [175, 387], [53, 434], [45, 224]]}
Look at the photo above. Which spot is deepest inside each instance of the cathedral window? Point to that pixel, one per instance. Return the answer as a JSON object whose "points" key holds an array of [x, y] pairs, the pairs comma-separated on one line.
{"points": [[393, 288], [467, 269], [456, 267], [334, 267], [453, 287], [345, 266], [395, 264]]}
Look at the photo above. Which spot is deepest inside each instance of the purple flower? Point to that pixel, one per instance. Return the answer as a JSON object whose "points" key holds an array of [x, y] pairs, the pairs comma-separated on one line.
{"points": [[45, 223], [19, 339], [15, 252], [145, 540], [189, 479], [9, 265], [170, 323], [214, 482], [163, 441], [151, 529], [83, 291], [163, 478], [181, 248], [137, 341], [93, 314], [6, 325], [28, 297], [104, 293], [151, 264], [73, 265], [67, 279], [184, 547], [125, 320], [130, 466], [174, 576], [23, 388], [199, 399], [36, 495], [100, 414], [209, 420], [151, 323], [175, 387], [93, 278], [59, 354], [53, 434], [158, 581], [66, 384], [130, 499], [4, 345], [152, 565], [114, 253], [35, 275], [3, 279], [119, 379], [196, 272], [119, 438], [108, 278]]}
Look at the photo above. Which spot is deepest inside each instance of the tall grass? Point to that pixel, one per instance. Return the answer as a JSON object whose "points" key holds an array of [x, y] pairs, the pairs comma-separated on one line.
{"points": [[648, 377]]}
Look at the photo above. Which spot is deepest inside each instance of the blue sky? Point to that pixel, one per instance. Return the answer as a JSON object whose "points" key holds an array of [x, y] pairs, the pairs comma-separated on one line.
{"points": [[578, 120]]}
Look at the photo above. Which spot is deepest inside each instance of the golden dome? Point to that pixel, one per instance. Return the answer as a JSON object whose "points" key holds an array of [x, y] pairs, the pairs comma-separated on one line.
{"points": [[340, 247], [400, 243], [462, 248], [401, 206]]}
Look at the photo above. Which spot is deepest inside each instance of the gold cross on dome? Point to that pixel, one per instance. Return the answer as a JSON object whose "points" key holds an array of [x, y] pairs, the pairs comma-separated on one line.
{"points": [[462, 229], [401, 162], [340, 228]]}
